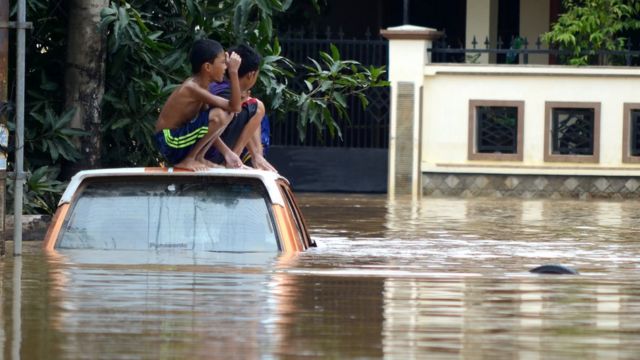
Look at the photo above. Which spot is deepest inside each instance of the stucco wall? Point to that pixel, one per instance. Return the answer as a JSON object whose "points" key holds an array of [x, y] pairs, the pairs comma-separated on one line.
{"points": [[447, 90]]}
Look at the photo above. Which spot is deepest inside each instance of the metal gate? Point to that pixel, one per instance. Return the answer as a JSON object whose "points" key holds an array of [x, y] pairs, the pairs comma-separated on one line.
{"points": [[358, 161]]}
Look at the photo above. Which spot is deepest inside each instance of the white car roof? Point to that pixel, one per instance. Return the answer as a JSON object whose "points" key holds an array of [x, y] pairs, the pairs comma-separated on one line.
{"points": [[268, 178]]}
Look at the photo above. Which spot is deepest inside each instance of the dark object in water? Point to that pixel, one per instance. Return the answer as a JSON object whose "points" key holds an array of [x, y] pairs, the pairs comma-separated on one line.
{"points": [[554, 269]]}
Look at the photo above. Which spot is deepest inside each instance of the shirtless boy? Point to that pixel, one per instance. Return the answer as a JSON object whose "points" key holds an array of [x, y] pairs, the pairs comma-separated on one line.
{"points": [[244, 130], [184, 131]]}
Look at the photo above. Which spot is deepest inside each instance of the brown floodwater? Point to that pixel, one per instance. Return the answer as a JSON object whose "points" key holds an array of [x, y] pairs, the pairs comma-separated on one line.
{"points": [[433, 279]]}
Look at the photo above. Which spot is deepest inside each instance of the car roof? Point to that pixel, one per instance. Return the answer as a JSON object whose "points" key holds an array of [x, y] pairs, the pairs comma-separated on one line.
{"points": [[268, 178]]}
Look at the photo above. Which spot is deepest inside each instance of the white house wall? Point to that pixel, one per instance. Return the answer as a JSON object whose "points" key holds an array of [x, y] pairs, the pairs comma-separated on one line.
{"points": [[431, 156], [447, 90]]}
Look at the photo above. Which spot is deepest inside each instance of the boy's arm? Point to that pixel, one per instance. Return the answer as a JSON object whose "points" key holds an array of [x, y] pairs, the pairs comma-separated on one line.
{"points": [[214, 100], [254, 146], [254, 123], [233, 64], [234, 104], [255, 149], [231, 159]]}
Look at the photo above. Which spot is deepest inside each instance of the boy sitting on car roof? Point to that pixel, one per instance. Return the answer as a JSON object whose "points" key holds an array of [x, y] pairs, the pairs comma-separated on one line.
{"points": [[244, 130], [184, 130]]}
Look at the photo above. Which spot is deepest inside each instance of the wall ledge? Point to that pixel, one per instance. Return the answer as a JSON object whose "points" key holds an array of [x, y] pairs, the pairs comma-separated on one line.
{"points": [[531, 70], [410, 32], [508, 169], [34, 227]]}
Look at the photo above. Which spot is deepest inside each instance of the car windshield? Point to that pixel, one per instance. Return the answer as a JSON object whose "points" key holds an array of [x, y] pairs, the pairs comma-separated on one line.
{"points": [[183, 213]]}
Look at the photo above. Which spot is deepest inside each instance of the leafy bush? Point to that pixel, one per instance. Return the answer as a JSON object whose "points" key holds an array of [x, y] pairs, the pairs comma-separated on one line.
{"points": [[42, 191], [148, 45], [48, 139], [149, 42], [588, 26]]}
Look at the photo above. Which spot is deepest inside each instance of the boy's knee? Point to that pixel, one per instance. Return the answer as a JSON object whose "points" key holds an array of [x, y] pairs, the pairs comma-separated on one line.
{"points": [[258, 112], [219, 117], [260, 108]]}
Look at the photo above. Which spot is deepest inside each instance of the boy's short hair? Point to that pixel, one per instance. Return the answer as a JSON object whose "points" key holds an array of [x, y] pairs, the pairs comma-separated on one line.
{"points": [[250, 59], [202, 51]]}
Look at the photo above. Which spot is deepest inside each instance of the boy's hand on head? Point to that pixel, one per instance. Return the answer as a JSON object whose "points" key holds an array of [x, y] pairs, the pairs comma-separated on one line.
{"points": [[233, 62]]}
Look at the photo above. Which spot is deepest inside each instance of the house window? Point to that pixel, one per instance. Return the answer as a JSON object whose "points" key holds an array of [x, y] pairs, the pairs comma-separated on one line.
{"points": [[572, 132], [635, 133], [631, 141], [495, 130]]}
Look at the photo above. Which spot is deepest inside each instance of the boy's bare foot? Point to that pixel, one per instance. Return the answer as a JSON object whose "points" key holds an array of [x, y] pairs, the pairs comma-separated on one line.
{"points": [[190, 164], [241, 167], [261, 163], [210, 164]]}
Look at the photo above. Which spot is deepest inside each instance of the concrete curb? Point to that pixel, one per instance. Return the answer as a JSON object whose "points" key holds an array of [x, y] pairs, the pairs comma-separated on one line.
{"points": [[34, 227]]}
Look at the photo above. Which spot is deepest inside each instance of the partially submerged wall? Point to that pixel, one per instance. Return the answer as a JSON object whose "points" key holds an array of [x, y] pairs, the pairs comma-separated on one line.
{"points": [[34, 227], [453, 93], [509, 130]]}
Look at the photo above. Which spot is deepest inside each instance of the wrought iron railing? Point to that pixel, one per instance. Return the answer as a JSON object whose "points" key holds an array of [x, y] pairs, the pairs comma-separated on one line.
{"points": [[367, 128], [518, 50]]}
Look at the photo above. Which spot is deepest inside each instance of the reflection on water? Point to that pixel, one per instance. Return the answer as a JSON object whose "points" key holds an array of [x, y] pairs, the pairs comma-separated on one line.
{"points": [[439, 278]]}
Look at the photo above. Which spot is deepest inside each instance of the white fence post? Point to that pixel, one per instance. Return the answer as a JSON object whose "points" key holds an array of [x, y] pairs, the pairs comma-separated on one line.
{"points": [[408, 55]]}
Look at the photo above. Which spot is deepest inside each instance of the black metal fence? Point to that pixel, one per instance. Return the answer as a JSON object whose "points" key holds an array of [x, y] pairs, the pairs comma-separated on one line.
{"points": [[518, 49], [367, 128]]}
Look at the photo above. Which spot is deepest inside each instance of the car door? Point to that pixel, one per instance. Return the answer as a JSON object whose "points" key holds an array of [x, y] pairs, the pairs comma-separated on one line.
{"points": [[298, 222]]}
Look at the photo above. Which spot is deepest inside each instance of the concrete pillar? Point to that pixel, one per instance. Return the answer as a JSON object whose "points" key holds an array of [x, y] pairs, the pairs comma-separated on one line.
{"points": [[534, 21], [482, 22], [408, 46]]}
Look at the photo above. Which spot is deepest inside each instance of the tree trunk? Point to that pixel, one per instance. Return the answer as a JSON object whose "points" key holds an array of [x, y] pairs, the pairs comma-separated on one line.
{"points": [[84, 77]]}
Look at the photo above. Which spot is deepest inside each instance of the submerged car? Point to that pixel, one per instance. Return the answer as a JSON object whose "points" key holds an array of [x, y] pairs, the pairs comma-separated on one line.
{"points": [[222, 210]]}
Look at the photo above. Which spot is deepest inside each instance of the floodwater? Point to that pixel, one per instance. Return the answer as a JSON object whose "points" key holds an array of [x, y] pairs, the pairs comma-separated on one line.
{"points": [[434, 279]]}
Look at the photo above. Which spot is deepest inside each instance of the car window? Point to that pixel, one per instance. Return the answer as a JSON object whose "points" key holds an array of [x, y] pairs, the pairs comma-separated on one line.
{"points": [[183, 213]]}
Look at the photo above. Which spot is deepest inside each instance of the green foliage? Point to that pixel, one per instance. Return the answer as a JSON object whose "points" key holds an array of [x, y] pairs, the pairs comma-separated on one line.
{"points": [[147, 57], [48, 139], [41, 191], [149, 43], [329, 83], [47, 136], [51, 135], [589, 26]]}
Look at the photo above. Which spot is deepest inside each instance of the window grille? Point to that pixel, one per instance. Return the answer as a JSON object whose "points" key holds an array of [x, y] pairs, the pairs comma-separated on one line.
{"points": [[572, 131], [497, 129], [635, 132]]}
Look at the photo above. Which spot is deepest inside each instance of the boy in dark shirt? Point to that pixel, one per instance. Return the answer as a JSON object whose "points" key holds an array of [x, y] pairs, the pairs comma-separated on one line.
{"points": [[244, 130]]}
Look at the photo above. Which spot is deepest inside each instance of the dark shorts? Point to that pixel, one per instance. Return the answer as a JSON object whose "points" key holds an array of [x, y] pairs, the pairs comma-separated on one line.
{"points": [[175, 144], [233, 131]]}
